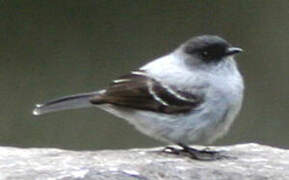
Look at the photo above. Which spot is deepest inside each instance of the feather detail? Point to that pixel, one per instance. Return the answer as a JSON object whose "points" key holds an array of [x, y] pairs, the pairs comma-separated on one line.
{"points": [[68, 102], [139, 91]]}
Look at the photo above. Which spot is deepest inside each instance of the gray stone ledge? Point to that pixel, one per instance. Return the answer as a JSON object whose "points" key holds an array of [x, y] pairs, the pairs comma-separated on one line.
{"points": [[250, 161]]}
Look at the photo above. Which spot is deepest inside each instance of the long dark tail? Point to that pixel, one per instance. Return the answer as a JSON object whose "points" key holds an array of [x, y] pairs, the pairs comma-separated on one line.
{"points": [[68, 102]]}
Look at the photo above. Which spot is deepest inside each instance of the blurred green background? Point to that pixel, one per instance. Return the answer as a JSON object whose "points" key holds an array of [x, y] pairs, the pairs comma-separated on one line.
{"points": [[54, 48]]}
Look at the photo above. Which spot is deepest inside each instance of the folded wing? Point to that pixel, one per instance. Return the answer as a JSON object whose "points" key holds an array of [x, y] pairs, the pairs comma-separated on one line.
{"points": [[139, 91]]}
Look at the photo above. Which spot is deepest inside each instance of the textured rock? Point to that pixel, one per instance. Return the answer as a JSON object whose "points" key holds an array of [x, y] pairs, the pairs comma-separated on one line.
{"points": [[248, 161]]}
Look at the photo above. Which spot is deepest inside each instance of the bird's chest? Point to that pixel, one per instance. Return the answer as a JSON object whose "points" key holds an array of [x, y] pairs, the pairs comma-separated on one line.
{"points": [[226, 89], [224, 100]]}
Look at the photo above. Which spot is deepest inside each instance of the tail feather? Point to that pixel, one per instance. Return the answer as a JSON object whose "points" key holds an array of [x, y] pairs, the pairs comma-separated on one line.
{"points": [[68, 102]]}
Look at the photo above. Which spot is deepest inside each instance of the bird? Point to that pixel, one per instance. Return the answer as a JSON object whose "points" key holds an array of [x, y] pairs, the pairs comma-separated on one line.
{"points": [[189, 96]]}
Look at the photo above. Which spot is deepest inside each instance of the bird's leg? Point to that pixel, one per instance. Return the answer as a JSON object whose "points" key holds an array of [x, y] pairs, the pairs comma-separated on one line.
{"points": [[205, 155], [209, 150]]}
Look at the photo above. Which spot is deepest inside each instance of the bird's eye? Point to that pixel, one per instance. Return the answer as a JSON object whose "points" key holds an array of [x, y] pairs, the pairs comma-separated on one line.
{"points": [[205, 54], [212, 53]]}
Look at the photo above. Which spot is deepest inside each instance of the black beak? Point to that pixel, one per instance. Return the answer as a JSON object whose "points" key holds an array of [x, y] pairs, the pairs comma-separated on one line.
{"points": [[233, 50]]}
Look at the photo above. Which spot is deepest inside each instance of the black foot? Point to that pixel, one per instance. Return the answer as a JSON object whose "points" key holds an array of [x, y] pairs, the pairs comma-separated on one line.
{"points": [[203, 155]]}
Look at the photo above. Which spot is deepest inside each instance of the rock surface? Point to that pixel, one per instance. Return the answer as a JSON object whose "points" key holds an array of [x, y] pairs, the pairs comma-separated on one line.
{"points": [[248, 161]]}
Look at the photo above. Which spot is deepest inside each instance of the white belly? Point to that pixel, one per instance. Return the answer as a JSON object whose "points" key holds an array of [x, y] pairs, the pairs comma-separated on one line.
{"points": [[201, 127]]}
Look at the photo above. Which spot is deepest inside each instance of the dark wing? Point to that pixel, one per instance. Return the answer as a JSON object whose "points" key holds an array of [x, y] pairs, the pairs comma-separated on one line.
{"points": [[138, 91]]}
